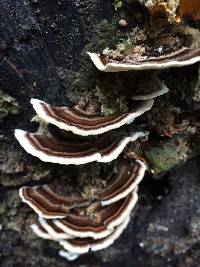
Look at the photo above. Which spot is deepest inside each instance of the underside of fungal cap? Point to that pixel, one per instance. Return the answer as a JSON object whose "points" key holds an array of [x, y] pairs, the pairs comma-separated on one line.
{"points": [[149, 89], [50, 203], [82, 123], [49, 149], [99, 221], [180, 58]]}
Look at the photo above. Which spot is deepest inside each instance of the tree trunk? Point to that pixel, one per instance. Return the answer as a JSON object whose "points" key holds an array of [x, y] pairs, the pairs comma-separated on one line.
{"points": [[42, 55]]}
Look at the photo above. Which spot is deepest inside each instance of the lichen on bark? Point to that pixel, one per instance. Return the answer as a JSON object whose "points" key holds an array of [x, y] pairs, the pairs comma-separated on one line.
{"points": [[8, 105]]}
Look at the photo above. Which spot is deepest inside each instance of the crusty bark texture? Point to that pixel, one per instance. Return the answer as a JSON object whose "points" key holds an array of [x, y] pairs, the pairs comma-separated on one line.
{"points": [[42, 55]]}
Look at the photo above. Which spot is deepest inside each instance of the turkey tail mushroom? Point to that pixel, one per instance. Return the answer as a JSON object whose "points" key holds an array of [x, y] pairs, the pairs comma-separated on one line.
{"points": [[82, 123], [81, 246], [49, 204], [49, 149], [99, 220], [180, 58]]}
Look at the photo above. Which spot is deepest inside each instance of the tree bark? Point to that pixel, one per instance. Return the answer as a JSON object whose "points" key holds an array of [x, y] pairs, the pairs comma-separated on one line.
{"points": [[42, 48]]}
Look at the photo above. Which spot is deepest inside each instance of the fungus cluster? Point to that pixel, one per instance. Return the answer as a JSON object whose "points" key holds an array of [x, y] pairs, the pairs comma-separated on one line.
{"points": [[94, 217]]}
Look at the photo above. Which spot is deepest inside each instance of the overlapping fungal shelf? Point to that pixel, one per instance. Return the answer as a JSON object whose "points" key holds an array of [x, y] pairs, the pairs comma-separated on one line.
{"points": [[91, 221], [89, 228], [50, 204]]}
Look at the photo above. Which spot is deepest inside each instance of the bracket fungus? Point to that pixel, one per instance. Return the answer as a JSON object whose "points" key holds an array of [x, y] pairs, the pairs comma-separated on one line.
{"points": [[159, 44], [157, 87], [81, 246], [92, 220], [97, 229], [49, 204], [98, 221], [74, 247], [49, 149], [182, 57], [82, 123]]}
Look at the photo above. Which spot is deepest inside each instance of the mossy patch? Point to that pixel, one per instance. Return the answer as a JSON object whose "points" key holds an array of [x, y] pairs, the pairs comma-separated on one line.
{"points": [[167, 155], [117, 4], [8, 105], [88, 78]]}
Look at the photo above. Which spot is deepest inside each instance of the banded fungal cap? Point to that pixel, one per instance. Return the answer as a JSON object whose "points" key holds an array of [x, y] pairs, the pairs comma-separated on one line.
{"points": [[100, 221], [81, 246], [48, 149], [74, 247], [182, 57], [49, 204], [82, 123], [46, 229], [123, 183]]}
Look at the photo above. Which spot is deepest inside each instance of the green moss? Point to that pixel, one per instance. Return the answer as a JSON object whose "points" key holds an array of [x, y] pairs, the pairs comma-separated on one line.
{"points": [[3, 207], [111, 101], [8, 105], [167, 155], [117, 4], [86, 78]]}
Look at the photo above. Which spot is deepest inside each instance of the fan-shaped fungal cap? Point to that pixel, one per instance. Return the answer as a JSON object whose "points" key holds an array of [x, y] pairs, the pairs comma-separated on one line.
{"points": [[123, 183], [161, 91], [82, 123], [182, 57], [98, 222], [49, 204], [81, 246], [46, 229], [77, 246], [95, 222], [49, 149]]}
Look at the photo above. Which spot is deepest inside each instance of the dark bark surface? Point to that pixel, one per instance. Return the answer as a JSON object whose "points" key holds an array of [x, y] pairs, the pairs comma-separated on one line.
{"points": [[40, 45]]}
